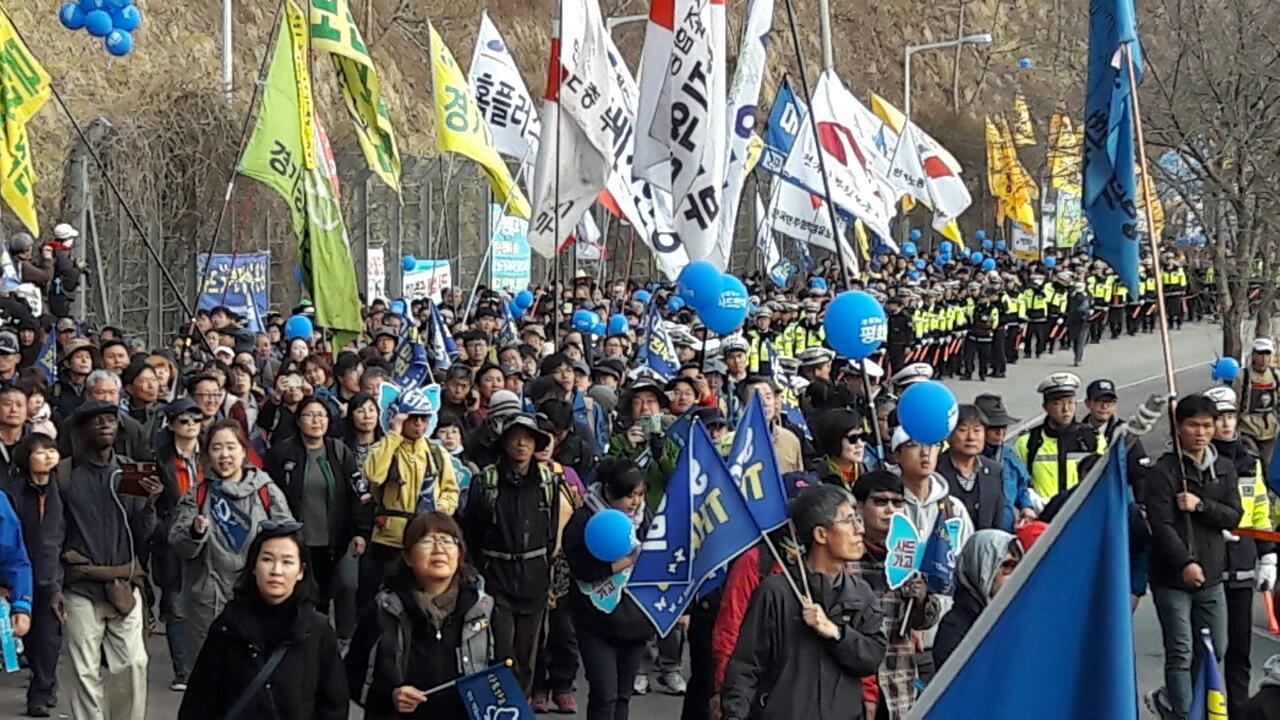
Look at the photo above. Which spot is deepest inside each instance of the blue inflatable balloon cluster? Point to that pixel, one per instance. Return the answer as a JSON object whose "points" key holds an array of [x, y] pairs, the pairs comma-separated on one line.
{"points": [[298, 326], [1225, 370], [610, 535], [112, 20], [719, 299], [585, 321]]}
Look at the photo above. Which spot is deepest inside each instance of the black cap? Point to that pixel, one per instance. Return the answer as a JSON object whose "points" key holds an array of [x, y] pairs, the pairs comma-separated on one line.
{"points": [[1099, 389], [91, 409], [179, 407], [712, 417]]}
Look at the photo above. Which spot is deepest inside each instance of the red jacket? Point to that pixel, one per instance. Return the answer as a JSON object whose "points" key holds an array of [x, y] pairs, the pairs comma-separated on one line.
{"points": [[744, 576]]}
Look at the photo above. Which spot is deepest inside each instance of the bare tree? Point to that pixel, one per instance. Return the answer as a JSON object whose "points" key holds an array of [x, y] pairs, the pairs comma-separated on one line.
{"points": [[1213, 97]]}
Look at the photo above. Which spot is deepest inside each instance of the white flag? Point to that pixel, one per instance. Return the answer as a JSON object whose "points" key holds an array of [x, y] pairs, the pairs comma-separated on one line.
{"points": [[799, 214], [570, 173], [744, 94], [921, 172], [847, 154], [653, 127], [774, 266], [502, 96]]}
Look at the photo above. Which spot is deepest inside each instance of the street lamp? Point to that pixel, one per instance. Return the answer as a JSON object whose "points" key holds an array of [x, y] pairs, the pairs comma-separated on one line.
{"points": [[613, 22], [978, 39]]}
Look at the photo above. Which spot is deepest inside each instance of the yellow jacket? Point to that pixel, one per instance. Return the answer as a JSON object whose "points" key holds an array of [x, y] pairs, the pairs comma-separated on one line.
{"points": [[398, 499]]}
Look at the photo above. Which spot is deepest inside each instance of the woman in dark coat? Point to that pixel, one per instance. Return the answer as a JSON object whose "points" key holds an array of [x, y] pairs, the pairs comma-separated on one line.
{"points": [[432, 620], [271, 613], [982, 566]]}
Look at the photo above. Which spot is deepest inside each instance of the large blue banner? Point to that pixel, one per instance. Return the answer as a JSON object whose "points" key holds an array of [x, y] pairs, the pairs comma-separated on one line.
{"points": [[510, 266], [240, 282], [667, 553]]}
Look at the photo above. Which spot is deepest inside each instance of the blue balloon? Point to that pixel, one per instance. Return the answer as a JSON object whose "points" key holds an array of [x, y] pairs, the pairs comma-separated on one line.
{"points": [[1025, 63], [945, 247], [913, 275], [818, 284], [941, 260], [908, 249], [1050, 261], [977, 258], [1225, 370], [610, 535], [298, 275], [730, 308], [88, 6], [298, 326], [980, 235], [699, 284], [119, 4], [523, 299], [517, 312], [643, 296], [399, 307], [127, 18], [988, 265], [675, 304], [98, 23], [916, 235], [920, 264], [1001, 246], [409, 263], [618, 324], [928, 412], [584, 320], [987, 245], [599, 327], [856, 324], [119, 42], [71, 16]]}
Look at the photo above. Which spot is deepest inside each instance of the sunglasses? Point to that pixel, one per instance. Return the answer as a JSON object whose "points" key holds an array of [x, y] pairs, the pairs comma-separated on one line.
{"points": [[881, 501], [854, 438]]}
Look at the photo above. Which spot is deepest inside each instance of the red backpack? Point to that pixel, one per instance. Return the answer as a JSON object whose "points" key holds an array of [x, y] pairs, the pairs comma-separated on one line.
{"points": [[202, 492]]}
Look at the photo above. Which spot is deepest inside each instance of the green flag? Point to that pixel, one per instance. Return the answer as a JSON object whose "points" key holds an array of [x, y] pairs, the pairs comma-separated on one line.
{"points": [[282, 154]]}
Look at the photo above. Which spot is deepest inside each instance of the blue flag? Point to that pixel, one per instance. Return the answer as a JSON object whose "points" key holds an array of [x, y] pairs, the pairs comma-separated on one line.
{"points": [[47, 360], [494, 694], [1110, 185], [441, 349], [1273, 471], [1208, 698], [786, 119], [1081, 665], [722, 529], [939, 561], [658, 353], [667, 553], [754, 466]]}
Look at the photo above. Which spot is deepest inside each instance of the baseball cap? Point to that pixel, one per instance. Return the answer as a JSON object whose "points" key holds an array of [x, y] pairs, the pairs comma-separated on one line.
{"points": [[64, 231], [1264, 345], [8, 343], [1099, 389], [65, 324]]}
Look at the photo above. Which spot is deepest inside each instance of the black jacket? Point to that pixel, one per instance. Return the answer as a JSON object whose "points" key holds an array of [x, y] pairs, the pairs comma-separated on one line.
{"points": [[286, 464], [1180, 538], [955, 625], [39, 509], [131, 442], [985, 499], [1243, 554], [308, 684], [626, 623], [782, 669]]}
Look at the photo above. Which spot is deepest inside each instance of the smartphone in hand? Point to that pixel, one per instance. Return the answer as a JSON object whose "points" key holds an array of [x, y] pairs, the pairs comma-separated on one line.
{"points": [[131, 476]]}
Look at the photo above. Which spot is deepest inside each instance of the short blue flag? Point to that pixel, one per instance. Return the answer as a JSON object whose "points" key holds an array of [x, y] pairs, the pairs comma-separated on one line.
{"points": [[494, 694], [1110, 184], [1081, 665], [666, 556], [657, 352], [753, 463], [1208, 697], [47, 360]]}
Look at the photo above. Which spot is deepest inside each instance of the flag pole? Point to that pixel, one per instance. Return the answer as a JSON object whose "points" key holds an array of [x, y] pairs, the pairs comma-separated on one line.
{"points": [[493, 232], [555, 245], [822, 163]]}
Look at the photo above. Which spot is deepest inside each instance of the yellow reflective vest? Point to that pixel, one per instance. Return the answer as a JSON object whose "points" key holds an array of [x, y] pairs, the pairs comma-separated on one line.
{"points": [[1055, 467]]}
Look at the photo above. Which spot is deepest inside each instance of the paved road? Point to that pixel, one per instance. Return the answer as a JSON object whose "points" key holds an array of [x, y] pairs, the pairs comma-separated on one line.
{"points": [[1134, 364]]}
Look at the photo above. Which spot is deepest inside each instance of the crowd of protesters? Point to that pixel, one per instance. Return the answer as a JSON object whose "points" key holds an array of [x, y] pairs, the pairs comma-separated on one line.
{"points": [[304, 541]]}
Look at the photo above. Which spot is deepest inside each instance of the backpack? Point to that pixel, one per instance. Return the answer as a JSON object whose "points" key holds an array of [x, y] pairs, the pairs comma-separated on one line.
{"points": [[429, 480], [487, 482], [202, 493]]}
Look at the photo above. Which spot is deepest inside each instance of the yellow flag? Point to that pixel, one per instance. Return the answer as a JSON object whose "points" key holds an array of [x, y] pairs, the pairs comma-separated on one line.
{"points": [[894, 118], [1066, 147], [334, 30], [1007, 179], [461, 129], [1024, 133], [24, 88], [995, 163], [1148, 194]]}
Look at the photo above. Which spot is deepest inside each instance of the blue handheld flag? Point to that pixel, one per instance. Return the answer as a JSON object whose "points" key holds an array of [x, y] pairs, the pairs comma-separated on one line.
{"points": [[753, 463], [1208, 698], [494, 694], [667, 552]]}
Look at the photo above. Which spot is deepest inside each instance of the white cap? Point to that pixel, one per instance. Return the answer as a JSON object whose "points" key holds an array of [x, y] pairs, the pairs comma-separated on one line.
{"points": [[1223, 397], [900, 438], [1264, 345], [64, 231]]}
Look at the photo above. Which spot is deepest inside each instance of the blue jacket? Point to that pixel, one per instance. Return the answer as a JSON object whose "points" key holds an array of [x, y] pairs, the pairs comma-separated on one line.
{"points": [[596, 422], [15, 565], [1017, 483]]}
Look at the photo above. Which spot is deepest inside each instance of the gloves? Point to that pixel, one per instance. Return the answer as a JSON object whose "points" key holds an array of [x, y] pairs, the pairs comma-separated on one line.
{"points": [[1267, 572], [1228, 536], [1148, 414]]}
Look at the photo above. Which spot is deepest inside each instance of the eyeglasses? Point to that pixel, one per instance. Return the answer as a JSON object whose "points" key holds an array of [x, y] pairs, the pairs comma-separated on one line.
{"points": [[851, 520], [281, 526], [855, 438], [207, 395], [313, 416], [880, 501], [444, 542]]}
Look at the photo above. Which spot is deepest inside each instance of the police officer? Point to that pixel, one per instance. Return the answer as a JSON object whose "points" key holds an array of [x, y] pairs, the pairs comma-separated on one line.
{"points": [[910, 375], [1036, 300], [760, 338], [901, 333], [978, 343], [815, 363], [1052, 449]]}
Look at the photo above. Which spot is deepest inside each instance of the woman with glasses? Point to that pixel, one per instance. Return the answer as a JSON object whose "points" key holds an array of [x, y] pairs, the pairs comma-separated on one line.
{"points": [[842, 438], [269, 653], [880, 496], [433, 619], [612, 631], [322, 482], [214, 524]]}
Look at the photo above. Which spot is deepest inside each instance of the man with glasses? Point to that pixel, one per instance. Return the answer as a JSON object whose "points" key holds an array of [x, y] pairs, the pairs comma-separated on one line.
{"points": [[880, 496], [975, 480], [787, 642], [1257, 387]]}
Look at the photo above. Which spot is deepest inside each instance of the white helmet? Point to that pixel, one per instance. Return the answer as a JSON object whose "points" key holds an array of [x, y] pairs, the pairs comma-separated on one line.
{"points": [[1224, 398]]}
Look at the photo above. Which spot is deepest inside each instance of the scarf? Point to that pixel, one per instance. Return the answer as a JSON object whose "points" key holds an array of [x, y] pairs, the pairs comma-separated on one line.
{"points": [[438, 608]]}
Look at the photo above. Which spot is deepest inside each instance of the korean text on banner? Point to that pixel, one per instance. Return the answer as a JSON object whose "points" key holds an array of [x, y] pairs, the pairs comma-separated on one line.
{"points": [[510, 266], [430, 278], [239, 282], [25, 87]]}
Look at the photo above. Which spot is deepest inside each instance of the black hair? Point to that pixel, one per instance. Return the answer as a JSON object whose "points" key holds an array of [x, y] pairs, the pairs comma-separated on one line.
{"points": [[559, 412], [347, 361], [553, 362], [816, 507], [29, 444], [195, 380], [971, 413], [831, 427], [877, 481], [1193, 406], [247, 585], [619, 477]]}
